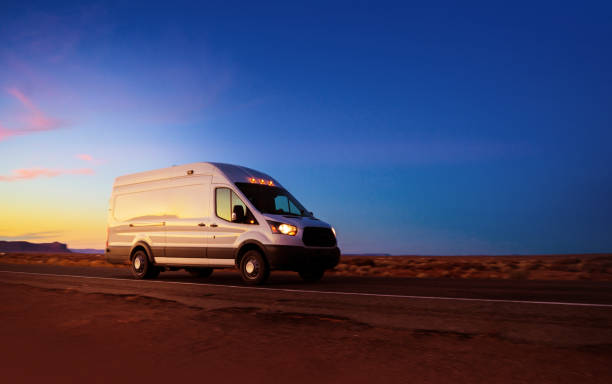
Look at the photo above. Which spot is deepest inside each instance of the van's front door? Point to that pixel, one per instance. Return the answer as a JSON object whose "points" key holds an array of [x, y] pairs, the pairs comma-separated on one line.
{"points": [[222, 244]]}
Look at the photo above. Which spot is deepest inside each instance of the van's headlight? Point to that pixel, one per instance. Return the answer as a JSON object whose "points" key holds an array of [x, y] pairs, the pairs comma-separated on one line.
{"points": [[334, 232], [285, 229]]}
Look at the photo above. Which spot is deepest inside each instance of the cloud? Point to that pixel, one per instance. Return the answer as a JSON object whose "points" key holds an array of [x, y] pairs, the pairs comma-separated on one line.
{"points": [[21, 97], [4, 132], [32, 235], [34, 121], [34, 173], [90, 159], [85, 157]]}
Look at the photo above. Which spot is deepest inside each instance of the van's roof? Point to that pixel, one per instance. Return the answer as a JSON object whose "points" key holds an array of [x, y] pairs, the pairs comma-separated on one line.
{"points": [[233, 173]]}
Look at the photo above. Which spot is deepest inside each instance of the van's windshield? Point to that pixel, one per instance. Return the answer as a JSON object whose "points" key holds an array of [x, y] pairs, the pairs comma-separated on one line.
{"points": [[273, 200]]}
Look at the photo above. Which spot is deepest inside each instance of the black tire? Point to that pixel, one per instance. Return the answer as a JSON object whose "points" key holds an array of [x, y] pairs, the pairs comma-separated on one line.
{"points": [[253, 268], [312, 274], [141, 267], [199, 272]]}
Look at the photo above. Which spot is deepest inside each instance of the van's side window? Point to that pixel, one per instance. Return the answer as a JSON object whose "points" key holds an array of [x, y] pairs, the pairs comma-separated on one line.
{"points": [[223, 204], [230, 207]]}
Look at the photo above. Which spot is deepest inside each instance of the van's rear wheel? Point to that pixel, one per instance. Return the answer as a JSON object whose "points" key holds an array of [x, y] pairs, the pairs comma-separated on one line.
{"points": [[200, 272], [312, 274], [141, 267], [254, 268]]}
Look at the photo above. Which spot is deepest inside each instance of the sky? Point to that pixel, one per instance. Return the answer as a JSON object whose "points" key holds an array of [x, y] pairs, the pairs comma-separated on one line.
{"points": [[412, 127]]}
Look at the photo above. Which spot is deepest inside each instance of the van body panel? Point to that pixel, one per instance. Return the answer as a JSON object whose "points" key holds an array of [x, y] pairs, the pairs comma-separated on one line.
{"points": [[119, 255], [182, 261], [187, 232]]}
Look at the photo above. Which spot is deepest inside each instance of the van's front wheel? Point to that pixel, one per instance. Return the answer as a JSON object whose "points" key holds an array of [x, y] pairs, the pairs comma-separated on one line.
{"points": [[253, 268]]}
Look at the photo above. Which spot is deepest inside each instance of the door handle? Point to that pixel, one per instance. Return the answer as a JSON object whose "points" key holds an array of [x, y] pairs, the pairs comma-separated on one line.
{"points": [[201, 225], [148, 224], [214, 225]]}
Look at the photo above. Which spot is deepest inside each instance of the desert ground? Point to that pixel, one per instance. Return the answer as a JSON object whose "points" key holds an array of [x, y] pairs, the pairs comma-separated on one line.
{"points": [[71, 318]]}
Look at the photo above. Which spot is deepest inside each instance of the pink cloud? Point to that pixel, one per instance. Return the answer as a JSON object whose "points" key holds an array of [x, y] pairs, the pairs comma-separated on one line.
{"points": [[33, 173], [85, 157], [39, 122], [34, 121], [5, 132], [21, 97], [90, 159]]}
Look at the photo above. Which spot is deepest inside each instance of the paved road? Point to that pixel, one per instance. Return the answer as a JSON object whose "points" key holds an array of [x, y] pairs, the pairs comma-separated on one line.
{"points": [[569, 293]]}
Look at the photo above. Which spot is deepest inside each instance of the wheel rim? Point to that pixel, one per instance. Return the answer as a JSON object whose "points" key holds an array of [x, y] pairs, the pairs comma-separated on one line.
{"points": [[251, 268], [138, 263]]}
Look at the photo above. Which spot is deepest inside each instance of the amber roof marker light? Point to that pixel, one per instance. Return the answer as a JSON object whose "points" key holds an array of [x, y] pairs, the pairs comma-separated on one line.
{"points": [[253, 180]]}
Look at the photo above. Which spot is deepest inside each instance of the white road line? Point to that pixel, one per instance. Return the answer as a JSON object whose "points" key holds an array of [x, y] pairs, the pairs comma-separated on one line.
{"points": [[570, 304]]}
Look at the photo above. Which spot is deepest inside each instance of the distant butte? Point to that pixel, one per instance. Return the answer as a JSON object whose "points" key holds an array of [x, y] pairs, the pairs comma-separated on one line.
{"points": [[26, 246]]}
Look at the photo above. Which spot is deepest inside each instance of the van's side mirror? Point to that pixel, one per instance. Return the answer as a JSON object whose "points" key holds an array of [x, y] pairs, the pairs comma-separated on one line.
{"points": [[238, 214]]}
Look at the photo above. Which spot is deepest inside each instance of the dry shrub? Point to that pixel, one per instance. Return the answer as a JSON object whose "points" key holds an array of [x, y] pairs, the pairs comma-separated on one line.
{"points": [[519, 274], [591, 267], [479, 267], [535, 266], [573, 260], [363, 262], [564, 267], [466, 266]]}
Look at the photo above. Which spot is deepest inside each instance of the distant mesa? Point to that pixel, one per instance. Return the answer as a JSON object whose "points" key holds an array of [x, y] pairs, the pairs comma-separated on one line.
{"points": [[26, 246]]}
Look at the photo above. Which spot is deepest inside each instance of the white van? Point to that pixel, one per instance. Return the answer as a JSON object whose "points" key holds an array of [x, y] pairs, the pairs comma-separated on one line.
{"points": [[203, 216]]}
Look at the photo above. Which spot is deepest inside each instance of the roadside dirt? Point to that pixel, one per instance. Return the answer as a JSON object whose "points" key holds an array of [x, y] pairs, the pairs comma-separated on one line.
{"points": [[66, 259], [59, 336], [595, 267]]}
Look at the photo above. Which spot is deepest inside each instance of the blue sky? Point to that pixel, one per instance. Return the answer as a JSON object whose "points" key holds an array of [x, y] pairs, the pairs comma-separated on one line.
{"points": [[444, 128]]}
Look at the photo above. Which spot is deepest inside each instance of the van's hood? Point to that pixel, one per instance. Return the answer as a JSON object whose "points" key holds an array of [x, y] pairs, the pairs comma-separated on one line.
{"points": [[298, 221]]}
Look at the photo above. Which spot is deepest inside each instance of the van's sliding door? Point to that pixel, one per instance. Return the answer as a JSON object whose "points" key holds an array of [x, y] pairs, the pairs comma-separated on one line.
{"points": [[187, 224]]}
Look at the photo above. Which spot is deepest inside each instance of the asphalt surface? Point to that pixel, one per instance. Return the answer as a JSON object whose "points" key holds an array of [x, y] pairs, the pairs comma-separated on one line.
{"points": [[530, 292]]}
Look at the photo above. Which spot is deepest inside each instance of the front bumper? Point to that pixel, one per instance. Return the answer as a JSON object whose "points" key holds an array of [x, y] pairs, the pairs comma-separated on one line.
{"points": [[295, 258]]}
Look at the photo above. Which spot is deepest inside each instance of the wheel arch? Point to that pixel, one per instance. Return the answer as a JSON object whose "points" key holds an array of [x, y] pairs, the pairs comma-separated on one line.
{"points": [[141, 245], [246, 246]]}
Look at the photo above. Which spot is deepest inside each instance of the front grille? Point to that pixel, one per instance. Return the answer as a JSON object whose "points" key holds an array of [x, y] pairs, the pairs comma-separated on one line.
{"points": [[318, 237]]}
